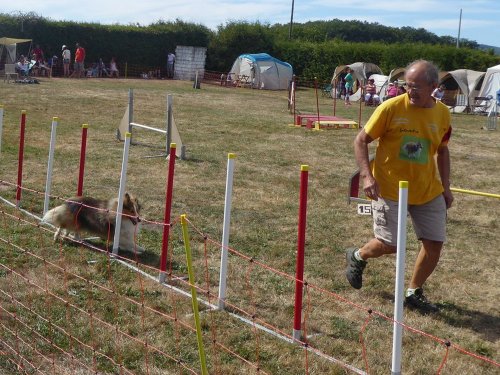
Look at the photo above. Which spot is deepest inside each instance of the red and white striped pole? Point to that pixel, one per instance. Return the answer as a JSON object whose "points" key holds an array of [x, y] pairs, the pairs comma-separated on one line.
{"points": [[20, 159], [83, 151], [301, 240], [168, 209]]}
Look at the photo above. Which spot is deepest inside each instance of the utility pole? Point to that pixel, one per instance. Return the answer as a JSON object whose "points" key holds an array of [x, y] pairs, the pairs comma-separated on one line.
{"points": [[291, 22], [459, 26]]}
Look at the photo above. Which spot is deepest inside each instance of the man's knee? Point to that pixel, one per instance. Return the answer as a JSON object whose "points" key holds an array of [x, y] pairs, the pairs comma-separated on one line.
{"points": [[432, 247]]}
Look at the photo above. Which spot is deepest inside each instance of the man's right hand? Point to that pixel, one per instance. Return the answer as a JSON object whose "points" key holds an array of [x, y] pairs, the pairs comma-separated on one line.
{"points": [[370, 187]]}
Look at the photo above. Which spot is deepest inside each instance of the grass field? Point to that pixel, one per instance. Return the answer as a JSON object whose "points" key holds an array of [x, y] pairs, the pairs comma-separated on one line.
{"points": [[252, 124]]}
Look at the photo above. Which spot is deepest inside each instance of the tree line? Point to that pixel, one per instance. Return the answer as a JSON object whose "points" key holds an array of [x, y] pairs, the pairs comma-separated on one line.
{"points": [[314, 50]]}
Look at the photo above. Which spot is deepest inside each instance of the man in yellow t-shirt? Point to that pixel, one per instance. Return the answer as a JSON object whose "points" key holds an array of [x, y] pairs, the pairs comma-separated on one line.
{"points": [[411, 129]]}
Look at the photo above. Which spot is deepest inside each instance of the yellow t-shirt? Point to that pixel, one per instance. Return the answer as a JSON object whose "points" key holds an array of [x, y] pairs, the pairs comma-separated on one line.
{"points": [[409, 138]]}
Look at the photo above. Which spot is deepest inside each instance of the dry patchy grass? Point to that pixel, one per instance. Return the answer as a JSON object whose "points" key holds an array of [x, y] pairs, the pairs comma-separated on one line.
{"points": [[253, 124]]}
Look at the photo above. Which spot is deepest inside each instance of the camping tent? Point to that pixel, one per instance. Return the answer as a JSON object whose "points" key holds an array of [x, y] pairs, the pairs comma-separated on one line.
{"points": [[463, 81], [261, 71], [9, 45], [360, 70], [491, 84], [382, 81]]}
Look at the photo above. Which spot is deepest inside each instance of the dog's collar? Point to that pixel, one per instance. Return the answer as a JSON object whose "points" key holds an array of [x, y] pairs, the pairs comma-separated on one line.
{"points": [[135, 220]]}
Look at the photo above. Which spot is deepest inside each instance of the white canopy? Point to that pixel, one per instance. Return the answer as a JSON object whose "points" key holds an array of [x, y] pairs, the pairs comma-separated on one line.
{"points": [[491, 84], [466, 82], [10, 45]]}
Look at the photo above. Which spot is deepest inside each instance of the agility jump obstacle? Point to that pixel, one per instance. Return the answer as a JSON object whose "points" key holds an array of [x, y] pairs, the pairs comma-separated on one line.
{"points": [[316, 121], [171, 132]]}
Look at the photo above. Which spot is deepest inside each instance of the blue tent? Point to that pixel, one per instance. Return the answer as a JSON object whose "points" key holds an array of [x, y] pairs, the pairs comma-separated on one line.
{"points": [[261, 71]]}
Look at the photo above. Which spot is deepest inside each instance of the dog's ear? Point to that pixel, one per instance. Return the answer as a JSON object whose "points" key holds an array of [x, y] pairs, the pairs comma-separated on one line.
{"points": [[126, 198]]}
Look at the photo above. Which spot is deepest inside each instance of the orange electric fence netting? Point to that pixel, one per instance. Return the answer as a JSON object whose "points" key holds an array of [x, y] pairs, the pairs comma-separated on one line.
{"points": [[71, 307]]}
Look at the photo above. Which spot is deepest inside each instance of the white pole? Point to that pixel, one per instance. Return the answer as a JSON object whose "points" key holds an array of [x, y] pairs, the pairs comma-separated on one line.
{"points": [[121, 193], [225, 230], [1, 126], [130, 108], [400, 278], [170, 114], [50, 164]]}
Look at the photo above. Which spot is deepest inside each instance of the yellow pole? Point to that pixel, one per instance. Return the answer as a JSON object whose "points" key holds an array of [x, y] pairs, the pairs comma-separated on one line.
{"points": [[201, 351], [473, 192]]}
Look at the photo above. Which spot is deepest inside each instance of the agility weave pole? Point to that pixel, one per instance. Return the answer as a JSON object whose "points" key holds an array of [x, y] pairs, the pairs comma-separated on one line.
{"points": [[167, 215], [400, 278], [225, 230], [83, 153], [171, 132], [20, 159], [301, 240]]}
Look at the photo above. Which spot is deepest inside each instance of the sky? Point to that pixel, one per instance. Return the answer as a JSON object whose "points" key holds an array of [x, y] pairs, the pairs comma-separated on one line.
{"points": [[480, 18]]}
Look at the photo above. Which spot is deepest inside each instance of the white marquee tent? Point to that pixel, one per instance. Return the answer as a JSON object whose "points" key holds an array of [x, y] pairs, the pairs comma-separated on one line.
{"points": [[491, 84], [464, 81], [8, 49]]}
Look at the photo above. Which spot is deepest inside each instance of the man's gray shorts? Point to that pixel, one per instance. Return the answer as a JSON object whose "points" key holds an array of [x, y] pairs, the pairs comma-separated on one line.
{"points": [[429, 220]]}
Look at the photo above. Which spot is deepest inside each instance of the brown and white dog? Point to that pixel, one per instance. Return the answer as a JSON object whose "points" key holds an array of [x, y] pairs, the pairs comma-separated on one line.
{"points": [[97, 217]]}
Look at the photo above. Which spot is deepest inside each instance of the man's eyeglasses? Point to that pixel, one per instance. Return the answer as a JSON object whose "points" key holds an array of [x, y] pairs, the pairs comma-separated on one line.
{"points": [[410, 87]]}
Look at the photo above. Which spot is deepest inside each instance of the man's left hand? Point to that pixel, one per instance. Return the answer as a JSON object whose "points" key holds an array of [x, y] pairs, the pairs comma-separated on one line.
{"points": [[448, 197]]}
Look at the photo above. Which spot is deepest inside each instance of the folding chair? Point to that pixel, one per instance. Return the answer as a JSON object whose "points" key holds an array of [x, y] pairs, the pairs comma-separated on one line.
{"points": [[10, 70]]}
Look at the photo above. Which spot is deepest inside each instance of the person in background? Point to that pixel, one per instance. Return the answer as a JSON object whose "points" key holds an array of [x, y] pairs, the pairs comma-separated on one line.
{"points": [[38, 55], [371, 97], [102, 68], [66, 58], [79, 71], [438, 93], [22, 66], [170, 64], [113, 69], [413, 131], [349, 82], [392, 90], [51, 63]]}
